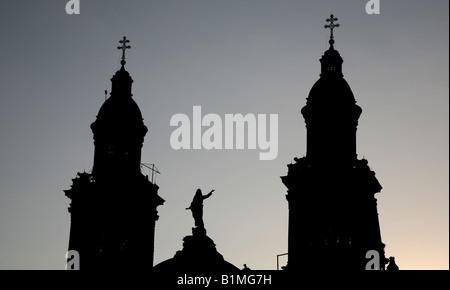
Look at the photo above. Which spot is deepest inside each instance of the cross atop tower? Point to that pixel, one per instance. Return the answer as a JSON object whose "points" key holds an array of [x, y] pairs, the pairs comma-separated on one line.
{"points": [[123, 47], [331, 26]]}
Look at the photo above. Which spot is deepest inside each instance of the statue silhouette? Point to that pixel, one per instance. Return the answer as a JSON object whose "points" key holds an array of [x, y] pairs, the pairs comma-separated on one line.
{"points": [[196, 207], [199, 254]]}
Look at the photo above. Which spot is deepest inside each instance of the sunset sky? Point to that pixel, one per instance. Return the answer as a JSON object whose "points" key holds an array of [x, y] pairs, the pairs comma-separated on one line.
{"points": [[229, 57]]}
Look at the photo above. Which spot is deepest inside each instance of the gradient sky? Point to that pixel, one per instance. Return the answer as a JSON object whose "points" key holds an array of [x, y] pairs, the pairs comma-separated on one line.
{"points": [[228, 56]]}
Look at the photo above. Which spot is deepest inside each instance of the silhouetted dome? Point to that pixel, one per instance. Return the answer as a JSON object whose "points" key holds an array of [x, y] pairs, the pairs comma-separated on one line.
{"points": [[331, 90], [331, 87], [120, 113], [331, 94], [116, 109]]}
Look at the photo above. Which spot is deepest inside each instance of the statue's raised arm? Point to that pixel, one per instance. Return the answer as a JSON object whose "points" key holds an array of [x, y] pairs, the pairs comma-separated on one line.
{"points": [[208, 195]]}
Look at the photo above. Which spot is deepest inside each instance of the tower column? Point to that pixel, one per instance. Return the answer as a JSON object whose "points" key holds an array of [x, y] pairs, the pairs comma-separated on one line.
{"points": [[333, 219], [114, 208]]}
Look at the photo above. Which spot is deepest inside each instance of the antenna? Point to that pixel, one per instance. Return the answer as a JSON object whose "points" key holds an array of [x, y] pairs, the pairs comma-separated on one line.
{"points": [[152, 167]]}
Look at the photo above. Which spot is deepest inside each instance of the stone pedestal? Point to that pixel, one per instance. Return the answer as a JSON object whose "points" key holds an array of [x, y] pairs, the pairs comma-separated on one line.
{"points": [[199, 254]]}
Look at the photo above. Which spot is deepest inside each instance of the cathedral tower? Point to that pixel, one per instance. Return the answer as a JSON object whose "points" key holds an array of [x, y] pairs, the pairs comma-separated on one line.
{"points": [[333, 219], [113, 209]]}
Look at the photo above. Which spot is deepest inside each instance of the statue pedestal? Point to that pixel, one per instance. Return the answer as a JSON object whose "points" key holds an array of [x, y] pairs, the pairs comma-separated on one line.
{"points": [[199, 254], [198, 232]]}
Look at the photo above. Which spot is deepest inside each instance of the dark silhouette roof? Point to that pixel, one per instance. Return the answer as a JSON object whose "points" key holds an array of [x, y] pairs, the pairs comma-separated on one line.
{"points": [[120, 112], [119, 109], [331, 90], [199, 254]]}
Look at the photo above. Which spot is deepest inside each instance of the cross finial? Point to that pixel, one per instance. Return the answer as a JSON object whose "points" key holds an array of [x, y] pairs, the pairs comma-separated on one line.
{"points": [[332, 26], [124, 47]]}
